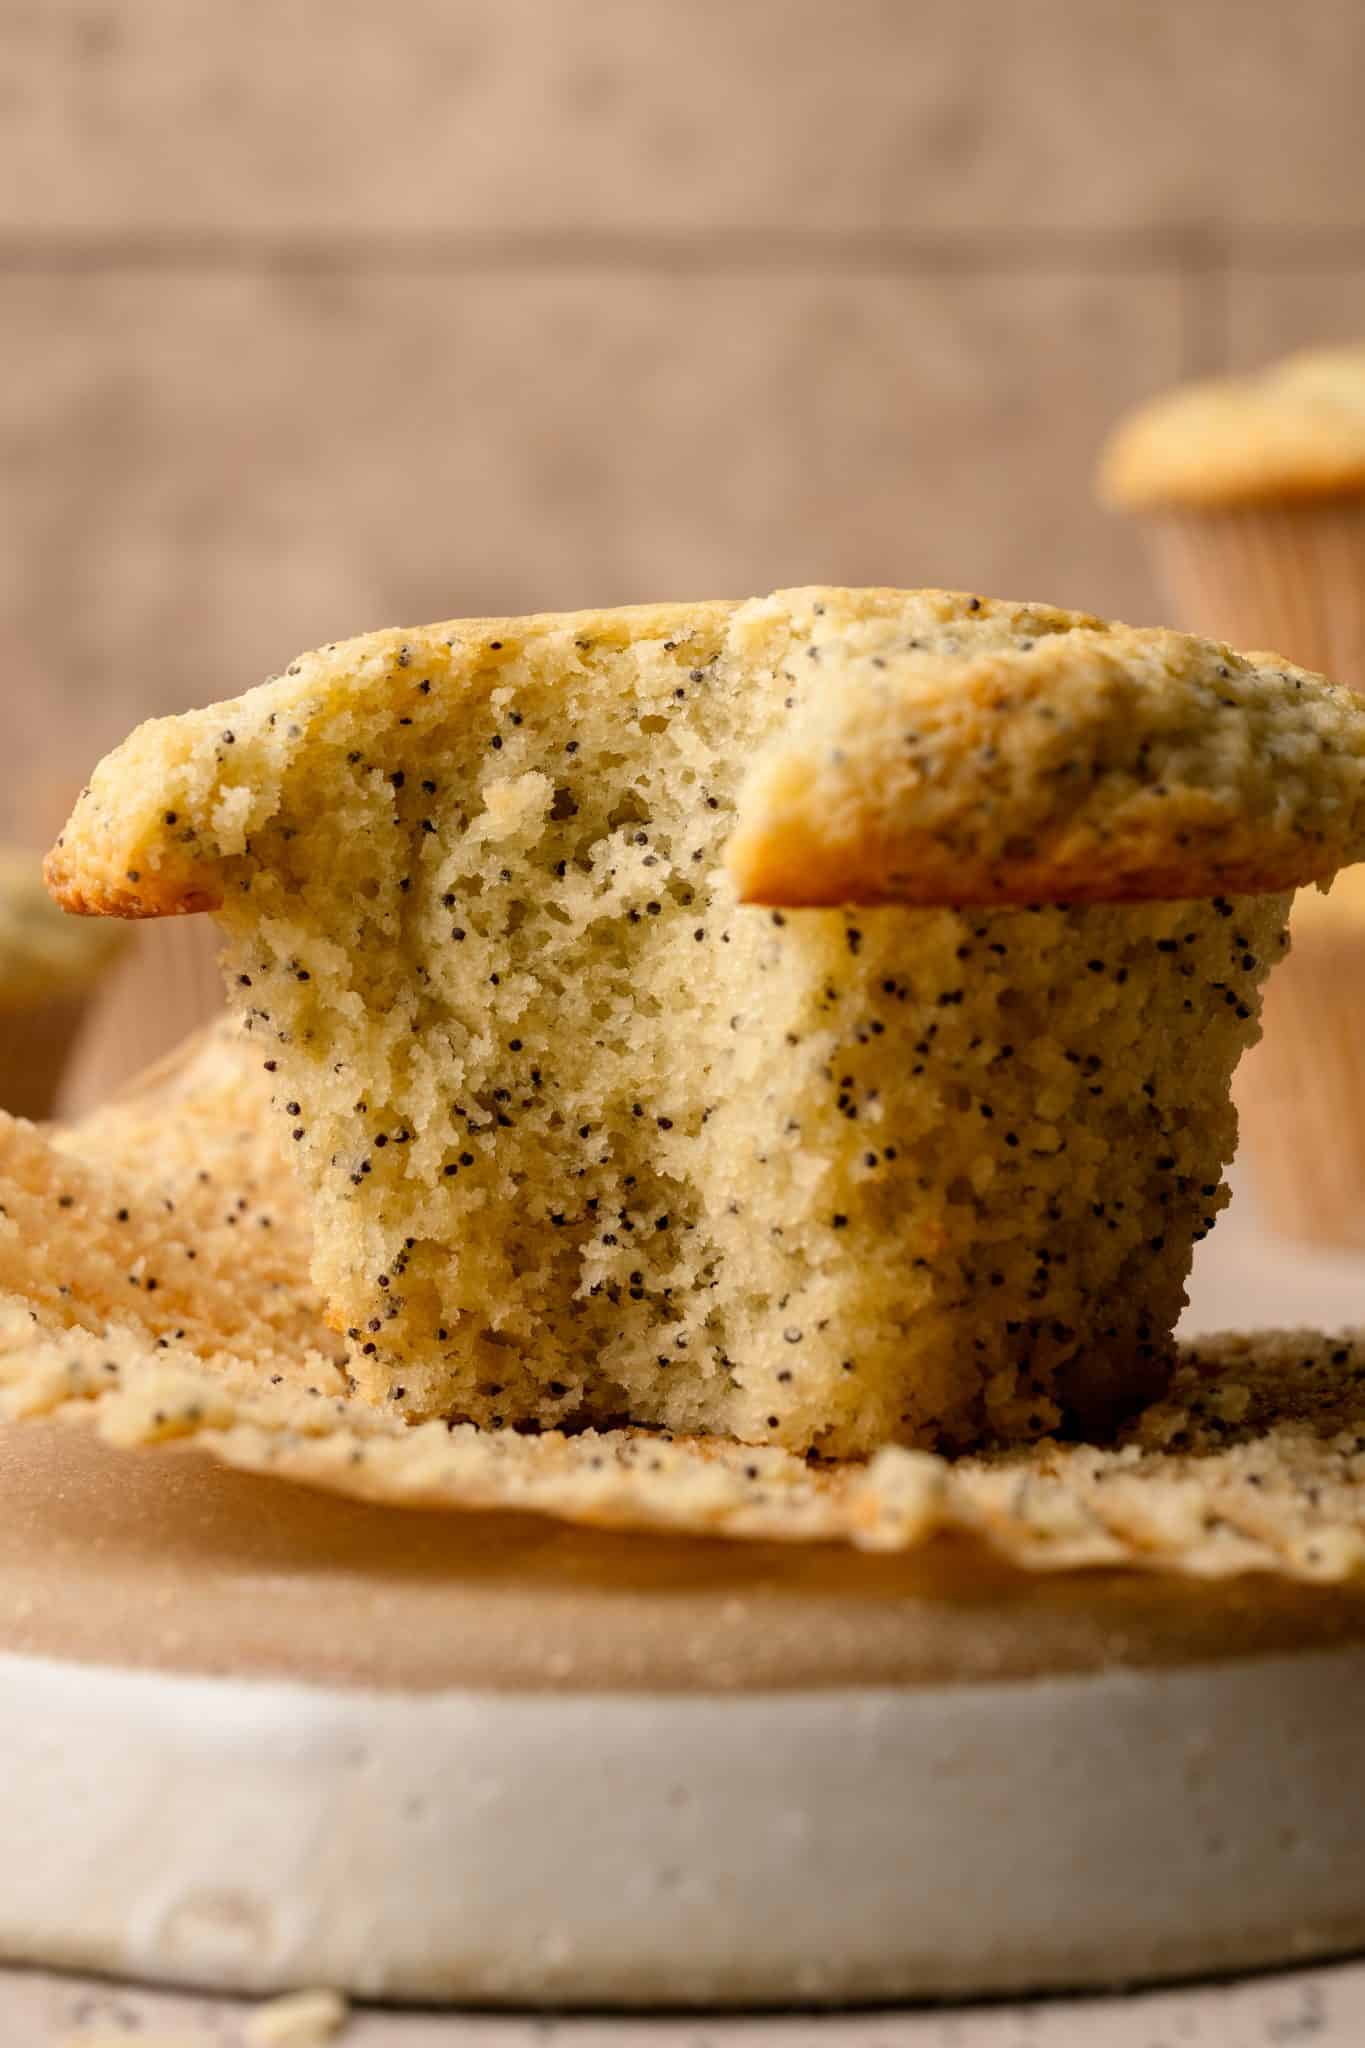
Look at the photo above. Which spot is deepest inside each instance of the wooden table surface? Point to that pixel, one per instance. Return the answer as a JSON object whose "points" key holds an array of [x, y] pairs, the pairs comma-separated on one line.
{"points": [[1242, 1279]]}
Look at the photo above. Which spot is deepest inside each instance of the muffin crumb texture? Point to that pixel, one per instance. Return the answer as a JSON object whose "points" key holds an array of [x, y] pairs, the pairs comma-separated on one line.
{"points": [[587, 1141]]}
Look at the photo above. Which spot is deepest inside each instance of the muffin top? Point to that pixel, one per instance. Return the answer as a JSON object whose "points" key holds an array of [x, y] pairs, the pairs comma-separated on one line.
{"points": [[1021, 754], [942, 750], [1293, 430], [42, 953]]}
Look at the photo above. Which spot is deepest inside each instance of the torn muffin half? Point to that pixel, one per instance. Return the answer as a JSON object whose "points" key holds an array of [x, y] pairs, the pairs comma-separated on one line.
{"points": [[808, 1020]]}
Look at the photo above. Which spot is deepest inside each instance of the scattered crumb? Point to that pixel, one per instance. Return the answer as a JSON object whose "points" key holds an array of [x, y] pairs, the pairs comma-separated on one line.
{"points": [[302, 2019]]}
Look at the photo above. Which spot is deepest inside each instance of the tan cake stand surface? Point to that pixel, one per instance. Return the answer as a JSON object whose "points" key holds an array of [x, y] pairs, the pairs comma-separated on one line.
{"points": [[256, 1737]]}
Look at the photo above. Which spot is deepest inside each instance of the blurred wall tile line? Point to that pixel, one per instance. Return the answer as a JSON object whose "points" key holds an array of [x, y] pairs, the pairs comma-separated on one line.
{"points": [[747, 250]]}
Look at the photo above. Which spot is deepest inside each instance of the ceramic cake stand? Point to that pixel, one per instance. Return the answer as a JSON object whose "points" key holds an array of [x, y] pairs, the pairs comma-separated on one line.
{"points": [[255, 1737]]}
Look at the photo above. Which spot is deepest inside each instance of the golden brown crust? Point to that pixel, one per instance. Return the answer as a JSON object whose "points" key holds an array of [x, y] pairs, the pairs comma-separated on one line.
{"points": [[99, 899], [795, 868], [1293, 431], [963, 751]]}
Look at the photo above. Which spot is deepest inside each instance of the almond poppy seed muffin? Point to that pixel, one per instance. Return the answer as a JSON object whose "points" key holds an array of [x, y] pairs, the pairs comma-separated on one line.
{"points": [[1291, 431], [587, 1139], [1250, 493]]}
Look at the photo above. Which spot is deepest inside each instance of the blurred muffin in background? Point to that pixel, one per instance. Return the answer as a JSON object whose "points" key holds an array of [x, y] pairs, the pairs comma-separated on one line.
{"points": [[167, 985], [1252, 496], [1301, 1091], [1251, 493], [51, 967]]}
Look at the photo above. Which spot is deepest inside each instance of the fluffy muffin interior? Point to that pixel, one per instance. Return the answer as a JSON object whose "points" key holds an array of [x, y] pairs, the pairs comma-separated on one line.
{"points": [[585, 1141]]}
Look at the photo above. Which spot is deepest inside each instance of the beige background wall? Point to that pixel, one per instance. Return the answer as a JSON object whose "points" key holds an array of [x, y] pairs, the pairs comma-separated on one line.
{"points": [[318, 315]]}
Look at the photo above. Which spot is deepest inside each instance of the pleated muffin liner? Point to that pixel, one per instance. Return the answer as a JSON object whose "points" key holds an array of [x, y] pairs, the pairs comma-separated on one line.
{"points": [[1301, 1091], [1290, 577], [1287, 578]]}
